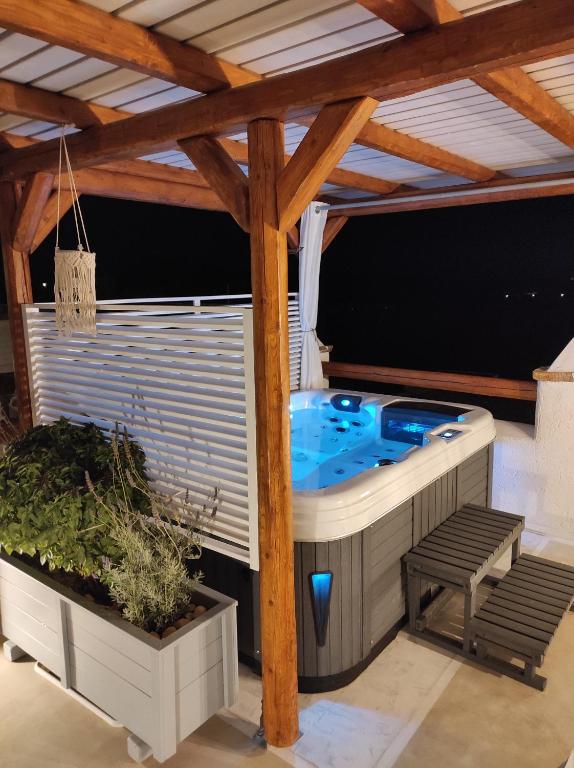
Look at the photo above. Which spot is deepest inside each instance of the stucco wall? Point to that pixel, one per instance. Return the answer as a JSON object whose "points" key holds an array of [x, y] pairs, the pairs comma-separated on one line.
{"points": [[534, 466]]}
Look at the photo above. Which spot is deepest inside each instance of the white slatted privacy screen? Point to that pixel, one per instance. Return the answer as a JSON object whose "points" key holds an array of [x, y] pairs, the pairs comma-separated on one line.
{"points": [[180, 378]]}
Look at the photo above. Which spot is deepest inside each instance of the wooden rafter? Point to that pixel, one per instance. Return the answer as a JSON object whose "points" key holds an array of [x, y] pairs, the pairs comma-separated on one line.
{"points": [[222, 173], [322, 148], [49, 216], [124, 186], [34, 197], [511, 85], [38, 104], [333, 226], [399, 144], [508, 35], [93, 32], [493, 191], [54, 105]]}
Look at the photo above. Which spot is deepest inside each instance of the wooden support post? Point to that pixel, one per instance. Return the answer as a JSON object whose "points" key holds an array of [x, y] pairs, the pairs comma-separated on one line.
{"points": [[271, 341], [19, 291]]}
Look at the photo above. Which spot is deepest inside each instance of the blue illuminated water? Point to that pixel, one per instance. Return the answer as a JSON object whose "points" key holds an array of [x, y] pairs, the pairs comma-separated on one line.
{"points": [[329, 446]]}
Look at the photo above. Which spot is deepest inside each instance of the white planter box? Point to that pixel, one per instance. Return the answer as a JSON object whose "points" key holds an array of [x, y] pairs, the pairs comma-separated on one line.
{"points": [[160, 690]]}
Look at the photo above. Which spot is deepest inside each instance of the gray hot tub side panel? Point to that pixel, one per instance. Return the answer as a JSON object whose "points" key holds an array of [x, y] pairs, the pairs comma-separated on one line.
{"points": [[368, 595]]}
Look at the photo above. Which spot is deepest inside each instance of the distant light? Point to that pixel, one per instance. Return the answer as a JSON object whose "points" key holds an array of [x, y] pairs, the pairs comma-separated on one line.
{"points": [[533, 295], [345, 403], [506, 295], [562, 295], [44, 285]]}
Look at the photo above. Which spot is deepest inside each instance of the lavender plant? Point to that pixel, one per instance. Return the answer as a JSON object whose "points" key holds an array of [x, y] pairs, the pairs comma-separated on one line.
{"points": [[150, 580]]}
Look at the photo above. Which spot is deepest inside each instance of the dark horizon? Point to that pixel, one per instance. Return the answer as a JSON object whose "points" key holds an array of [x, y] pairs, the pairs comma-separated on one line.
{"points": [[448, 289]]}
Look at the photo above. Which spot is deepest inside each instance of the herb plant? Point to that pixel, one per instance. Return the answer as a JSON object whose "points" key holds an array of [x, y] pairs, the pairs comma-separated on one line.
{"points": [[150, 581], [46, 507]]}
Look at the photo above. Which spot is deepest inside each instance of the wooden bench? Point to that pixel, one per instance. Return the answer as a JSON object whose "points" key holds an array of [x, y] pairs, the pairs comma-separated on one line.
{"points": [[520, 618], [457, 555]]}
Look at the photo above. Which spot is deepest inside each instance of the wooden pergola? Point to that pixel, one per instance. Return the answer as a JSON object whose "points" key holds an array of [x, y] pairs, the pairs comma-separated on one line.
{"points": [[227, 117]]}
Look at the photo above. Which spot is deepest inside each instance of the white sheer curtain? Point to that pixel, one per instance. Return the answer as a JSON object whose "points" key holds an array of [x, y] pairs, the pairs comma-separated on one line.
{"points": [[310, 241]]}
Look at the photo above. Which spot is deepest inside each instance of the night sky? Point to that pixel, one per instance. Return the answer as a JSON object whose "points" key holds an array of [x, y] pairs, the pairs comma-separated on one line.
{"points": [[439, 290]]}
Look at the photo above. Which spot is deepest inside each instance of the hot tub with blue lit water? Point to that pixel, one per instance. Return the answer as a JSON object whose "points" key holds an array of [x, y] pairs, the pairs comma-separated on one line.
{"points": [[372, 475]]}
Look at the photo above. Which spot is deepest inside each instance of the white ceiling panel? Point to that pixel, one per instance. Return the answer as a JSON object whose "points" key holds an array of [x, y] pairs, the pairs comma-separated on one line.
{"points": [[557, 77], [148, 13], [161, 99], [478, 6], [35, 66], [272, 17], [14, 48], [71, 76], [208, 16], [323, 34], [101, 86], [10, 122], [143, 88], [31, 127]]}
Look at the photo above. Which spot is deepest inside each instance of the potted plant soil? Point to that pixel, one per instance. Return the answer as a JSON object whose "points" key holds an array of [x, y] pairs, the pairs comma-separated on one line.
{"points": [[94, 584]]}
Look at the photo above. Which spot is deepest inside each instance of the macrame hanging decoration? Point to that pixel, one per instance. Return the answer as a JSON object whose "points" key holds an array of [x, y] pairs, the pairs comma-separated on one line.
{"points": [[75, 271]]}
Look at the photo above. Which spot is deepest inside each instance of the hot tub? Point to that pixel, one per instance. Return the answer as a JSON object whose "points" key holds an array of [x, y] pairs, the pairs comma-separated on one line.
{"points": [[356, 456], [372, 475]]}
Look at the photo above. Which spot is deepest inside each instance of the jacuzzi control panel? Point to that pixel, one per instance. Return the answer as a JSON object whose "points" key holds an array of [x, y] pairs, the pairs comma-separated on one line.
{"points": [[450, 434]]}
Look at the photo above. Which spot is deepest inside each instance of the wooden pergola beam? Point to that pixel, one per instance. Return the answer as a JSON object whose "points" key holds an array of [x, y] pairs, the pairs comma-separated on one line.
{"points": [[44, 105], [511, 85], [124, 186], [509, 35], [222, 173], [34, 197], [93, 32], [272, 385], [38, 104], [518, 90], [322, 148], [50, 216]]}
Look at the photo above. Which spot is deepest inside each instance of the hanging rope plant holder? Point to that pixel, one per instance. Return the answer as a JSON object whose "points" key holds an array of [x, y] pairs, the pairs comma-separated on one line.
{"points": [[75, 270]]}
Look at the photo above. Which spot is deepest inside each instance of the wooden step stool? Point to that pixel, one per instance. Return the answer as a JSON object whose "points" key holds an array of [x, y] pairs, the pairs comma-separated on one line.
{"points": [[520, 618]]}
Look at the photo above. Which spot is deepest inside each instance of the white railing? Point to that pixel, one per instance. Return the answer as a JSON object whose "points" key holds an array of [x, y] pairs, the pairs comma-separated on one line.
{"points": [[179, 376]]}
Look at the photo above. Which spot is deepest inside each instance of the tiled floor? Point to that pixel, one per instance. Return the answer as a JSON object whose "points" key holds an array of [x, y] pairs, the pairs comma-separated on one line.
{"points": [[414, 706]]}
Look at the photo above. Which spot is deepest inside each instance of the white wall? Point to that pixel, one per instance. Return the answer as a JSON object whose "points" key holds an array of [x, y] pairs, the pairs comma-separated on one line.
{"points": [[534, 466]]}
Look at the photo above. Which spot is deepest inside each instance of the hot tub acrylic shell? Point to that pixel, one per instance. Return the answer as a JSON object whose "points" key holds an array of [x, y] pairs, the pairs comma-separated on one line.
{"points": [[350, 506]]}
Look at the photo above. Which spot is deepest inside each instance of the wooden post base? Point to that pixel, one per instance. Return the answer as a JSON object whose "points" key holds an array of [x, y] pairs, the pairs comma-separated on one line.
{"points": [[12, 652], [138, 750]]}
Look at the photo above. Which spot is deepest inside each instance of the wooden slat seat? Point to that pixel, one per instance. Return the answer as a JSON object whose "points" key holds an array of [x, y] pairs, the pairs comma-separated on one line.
{"points": [[520, 618], [459, 553]]}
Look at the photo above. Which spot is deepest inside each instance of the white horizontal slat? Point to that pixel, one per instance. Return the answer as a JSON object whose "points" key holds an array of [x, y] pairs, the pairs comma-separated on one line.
{"points": [[178, 379]]}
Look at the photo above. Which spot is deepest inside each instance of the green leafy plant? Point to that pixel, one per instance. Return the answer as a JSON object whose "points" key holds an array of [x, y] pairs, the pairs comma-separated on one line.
{"points": [[150, 581], [46, 507]]}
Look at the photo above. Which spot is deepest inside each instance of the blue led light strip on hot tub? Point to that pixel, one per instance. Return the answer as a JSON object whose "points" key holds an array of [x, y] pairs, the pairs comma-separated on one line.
{"points": [[321, 585]]}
